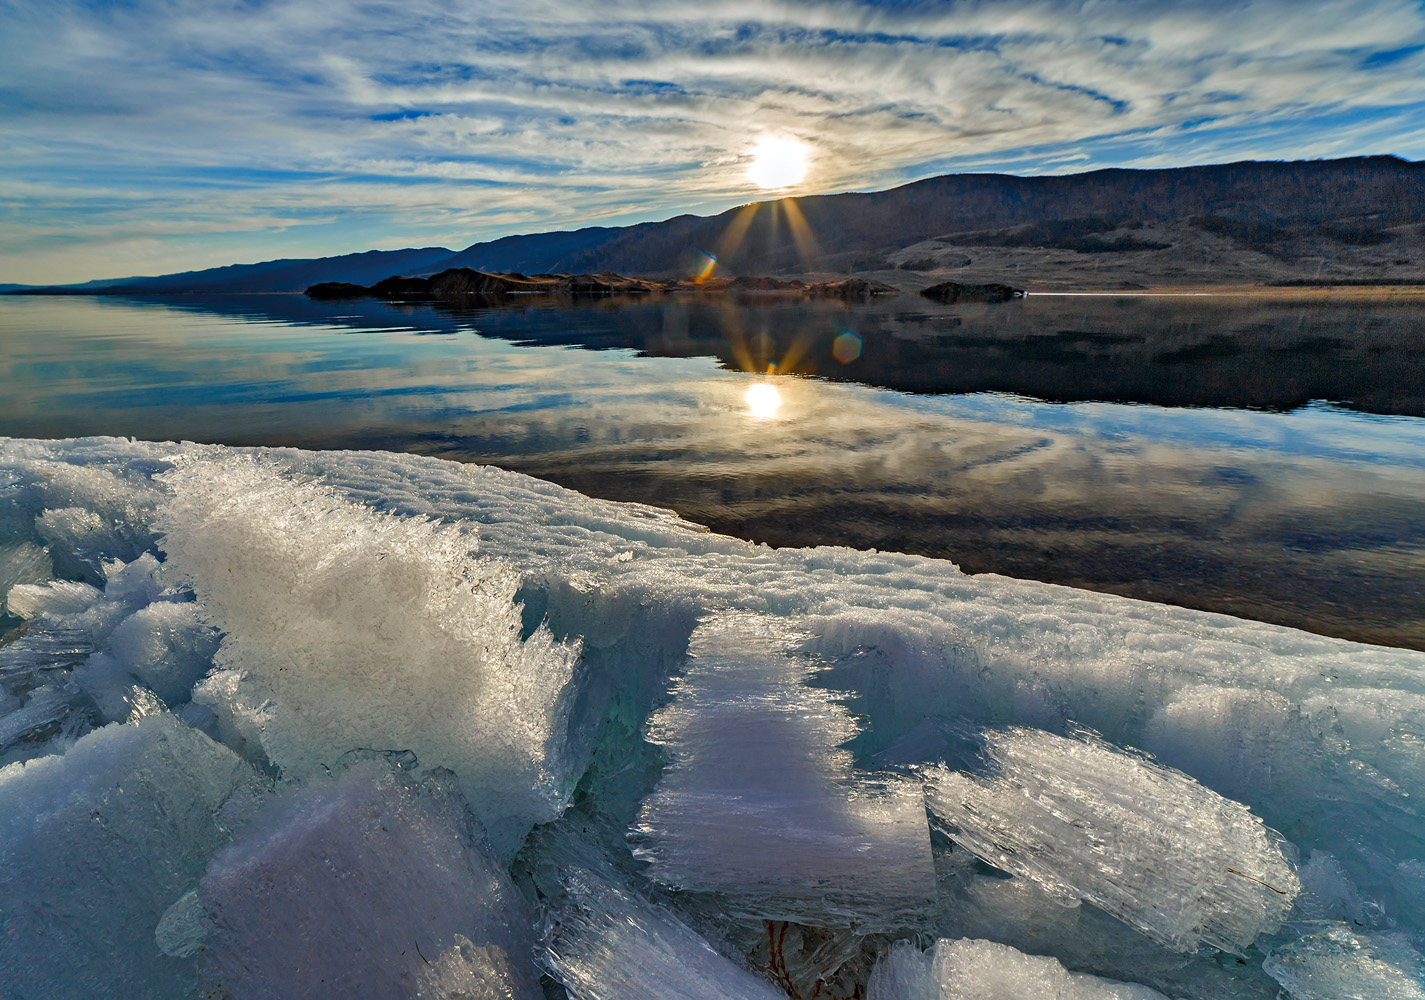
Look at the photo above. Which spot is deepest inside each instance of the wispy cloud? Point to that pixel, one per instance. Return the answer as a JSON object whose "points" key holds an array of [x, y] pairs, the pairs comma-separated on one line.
{"points": [[136, 134]]}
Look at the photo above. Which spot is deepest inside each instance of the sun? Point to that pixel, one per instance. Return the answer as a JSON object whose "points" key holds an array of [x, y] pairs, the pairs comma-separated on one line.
{"points": [[777, 163]]}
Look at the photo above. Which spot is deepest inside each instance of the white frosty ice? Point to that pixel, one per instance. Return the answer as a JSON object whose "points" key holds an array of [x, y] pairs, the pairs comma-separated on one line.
{"points": [[978, 903], [604, 942], [758, 803], [349, 629], [95, 844], [1322, 738], [86, 655], [55, 597], [1146, 843], [167, 646], [362, 889], [983, 970], [1333, 962]]}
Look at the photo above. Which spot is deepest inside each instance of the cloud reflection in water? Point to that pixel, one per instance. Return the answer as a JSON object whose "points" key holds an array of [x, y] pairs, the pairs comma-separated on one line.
{"points": [[1314, 517]]}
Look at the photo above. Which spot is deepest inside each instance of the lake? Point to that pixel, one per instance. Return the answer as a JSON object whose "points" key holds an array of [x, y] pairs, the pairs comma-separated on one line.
{"points": [[1262, 457]]}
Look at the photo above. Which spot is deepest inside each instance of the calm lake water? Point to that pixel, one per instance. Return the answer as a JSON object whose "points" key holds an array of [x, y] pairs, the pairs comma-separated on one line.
{"points": [[1261, 458]]}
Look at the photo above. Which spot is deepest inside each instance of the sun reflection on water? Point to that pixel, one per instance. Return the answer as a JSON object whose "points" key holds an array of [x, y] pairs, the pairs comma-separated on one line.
{"points": [[763, 400]]}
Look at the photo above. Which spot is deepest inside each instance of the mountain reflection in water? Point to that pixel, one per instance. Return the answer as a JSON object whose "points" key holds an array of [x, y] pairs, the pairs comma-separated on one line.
{"points": [[1225, 491]]}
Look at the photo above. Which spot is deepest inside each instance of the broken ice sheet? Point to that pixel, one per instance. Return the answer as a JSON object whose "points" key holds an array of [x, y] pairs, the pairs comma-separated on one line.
{"points": [[363, 887], [978, 902], [603, 941], [1333, 962], [1146, 843], [983, 970], [758, 803], [353, 629], [96, 843]]}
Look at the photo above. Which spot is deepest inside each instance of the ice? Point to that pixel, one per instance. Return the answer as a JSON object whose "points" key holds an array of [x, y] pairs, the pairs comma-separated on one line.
{"points": [[82, 511], [346, 629], [983, 970], [758, 803], [57, 597], [365, 886], [95, 845], [1146, 843], [48, 713], [22, 562], [1321, 738], [85, 656], [979, 902], [603, 941], [1333, 962], [167, 646], [30, 657]]}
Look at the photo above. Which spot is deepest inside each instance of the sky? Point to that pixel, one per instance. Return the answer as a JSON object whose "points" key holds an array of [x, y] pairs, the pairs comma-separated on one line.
{"points": [[151, 136]]}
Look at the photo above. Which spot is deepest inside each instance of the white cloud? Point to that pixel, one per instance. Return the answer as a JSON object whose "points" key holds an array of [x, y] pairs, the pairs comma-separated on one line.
{"points": [[467, 120]]}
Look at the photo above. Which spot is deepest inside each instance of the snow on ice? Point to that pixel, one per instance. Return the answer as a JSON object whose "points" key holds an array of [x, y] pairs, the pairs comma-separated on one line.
{"points": [[260, 707]]}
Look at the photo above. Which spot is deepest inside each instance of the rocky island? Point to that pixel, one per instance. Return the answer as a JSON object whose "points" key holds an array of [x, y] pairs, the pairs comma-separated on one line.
{"points": [[465, 282]]}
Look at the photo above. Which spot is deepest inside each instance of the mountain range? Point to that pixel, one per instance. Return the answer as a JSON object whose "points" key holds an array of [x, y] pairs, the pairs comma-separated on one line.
{"points": [[1357, 220]]}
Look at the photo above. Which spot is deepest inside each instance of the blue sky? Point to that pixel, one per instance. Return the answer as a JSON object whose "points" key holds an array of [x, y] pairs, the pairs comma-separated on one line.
{"points": [[148, 136]]}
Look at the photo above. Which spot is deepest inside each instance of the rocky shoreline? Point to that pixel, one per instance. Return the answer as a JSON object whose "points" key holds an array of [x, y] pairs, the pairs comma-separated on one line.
{"points": [[465, 283]]}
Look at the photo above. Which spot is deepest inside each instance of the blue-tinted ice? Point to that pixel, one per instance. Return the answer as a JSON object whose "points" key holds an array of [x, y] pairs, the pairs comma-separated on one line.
{"points": [[261, 708]]}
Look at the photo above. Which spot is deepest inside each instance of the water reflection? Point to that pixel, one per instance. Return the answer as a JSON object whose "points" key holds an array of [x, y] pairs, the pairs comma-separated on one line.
{"points": [[763, 400], [1257, 353], [1314, 517]]}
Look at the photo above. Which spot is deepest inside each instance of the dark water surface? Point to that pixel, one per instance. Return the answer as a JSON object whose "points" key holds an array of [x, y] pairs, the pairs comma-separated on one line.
{"points": [[1263, 458]]}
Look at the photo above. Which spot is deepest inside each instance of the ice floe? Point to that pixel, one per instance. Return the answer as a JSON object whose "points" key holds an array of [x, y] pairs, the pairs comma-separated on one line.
{"points": [[220, 666]]}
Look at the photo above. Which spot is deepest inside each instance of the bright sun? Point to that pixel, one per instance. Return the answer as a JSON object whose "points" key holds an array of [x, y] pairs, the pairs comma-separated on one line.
{"points": [[777, 163]]}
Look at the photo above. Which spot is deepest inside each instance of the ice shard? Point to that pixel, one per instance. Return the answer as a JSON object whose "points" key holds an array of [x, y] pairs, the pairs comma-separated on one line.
{"points": [[604, 941], [759, 804], [983, 970], [95, 845], [362, 888], [1334, 962], [1148, 844]]}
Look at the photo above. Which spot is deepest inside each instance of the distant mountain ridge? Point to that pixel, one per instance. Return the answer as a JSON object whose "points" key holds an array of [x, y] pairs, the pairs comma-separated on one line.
{"points": [[285, 275], [1278, 209]]}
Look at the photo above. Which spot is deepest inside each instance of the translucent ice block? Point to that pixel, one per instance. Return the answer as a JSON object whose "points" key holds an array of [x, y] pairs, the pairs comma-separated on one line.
{"points": [[760, 805], [983, 970], [95, 844], [1146, 843], [362, 888]]}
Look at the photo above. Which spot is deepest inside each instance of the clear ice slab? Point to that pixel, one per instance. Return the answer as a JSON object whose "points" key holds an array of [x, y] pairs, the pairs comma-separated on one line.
{"points": [[983, 970], [364, 888], [603, 941], [1149, 845], [96, 843], [759, 804]]}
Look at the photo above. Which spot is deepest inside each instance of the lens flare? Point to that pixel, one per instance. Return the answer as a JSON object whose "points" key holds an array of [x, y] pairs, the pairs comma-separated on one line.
{"points": [[763, 400], [846, 348], [705, 272], [777, 163]]}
